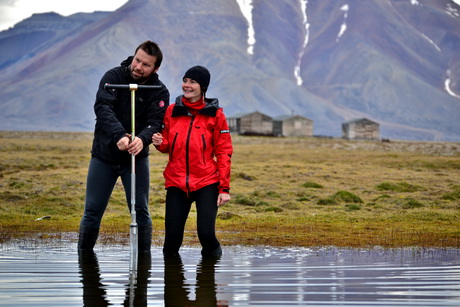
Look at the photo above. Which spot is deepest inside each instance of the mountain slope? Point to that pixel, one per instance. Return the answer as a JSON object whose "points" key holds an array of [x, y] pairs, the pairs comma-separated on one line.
{"points": [[382, 69], [40, 31], [330, 60]]}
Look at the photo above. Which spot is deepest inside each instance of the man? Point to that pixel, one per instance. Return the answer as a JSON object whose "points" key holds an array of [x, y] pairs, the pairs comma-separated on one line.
{"points": [[112, 146]]}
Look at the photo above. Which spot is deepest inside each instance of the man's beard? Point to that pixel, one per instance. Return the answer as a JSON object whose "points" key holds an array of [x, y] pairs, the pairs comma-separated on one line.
{"points": [[138, 79]]}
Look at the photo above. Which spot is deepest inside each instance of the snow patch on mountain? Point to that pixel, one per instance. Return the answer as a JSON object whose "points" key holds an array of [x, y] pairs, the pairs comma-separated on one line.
{"points": [[303, 6], [453, 11], [246, 8], [345, 8], [431, 42], [447, 84]]}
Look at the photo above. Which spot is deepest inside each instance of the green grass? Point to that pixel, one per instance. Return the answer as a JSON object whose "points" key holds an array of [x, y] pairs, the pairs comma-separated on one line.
{"points": [[285, 192], [399, 187]]}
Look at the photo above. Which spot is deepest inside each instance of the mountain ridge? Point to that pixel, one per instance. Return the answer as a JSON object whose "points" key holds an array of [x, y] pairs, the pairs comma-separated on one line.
{"points": [[391, 66]]}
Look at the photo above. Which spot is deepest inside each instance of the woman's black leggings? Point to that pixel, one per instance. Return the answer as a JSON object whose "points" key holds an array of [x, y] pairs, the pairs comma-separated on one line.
{"points": [[178, 205]]}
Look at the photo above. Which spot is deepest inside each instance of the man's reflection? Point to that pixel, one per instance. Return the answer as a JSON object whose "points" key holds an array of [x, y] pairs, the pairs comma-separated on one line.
{"points": [[136, 293], [177, 290], [94, 293]]}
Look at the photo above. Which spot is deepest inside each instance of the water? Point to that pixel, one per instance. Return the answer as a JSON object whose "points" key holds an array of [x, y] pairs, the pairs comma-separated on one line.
{"points": [[32, 274]]}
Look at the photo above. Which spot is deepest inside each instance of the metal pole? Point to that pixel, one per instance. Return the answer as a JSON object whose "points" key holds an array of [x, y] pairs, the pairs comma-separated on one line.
{"points": [[133, 233], [129, 86]]}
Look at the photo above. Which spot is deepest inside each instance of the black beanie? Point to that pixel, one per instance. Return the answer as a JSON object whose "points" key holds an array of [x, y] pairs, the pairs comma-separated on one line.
{"points": [[201, 75]]}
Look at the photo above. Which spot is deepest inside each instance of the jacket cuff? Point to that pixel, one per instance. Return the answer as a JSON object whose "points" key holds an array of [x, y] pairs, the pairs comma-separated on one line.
{"points": [[118, 137], [224, 191]]}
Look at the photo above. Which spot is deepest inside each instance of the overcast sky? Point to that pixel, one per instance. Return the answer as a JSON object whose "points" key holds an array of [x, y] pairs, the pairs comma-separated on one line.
{"points": [[13, 11]]}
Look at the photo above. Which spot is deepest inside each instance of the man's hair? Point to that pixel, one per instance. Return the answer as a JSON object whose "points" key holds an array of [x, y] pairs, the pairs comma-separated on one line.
{"points": [[152, 48]]}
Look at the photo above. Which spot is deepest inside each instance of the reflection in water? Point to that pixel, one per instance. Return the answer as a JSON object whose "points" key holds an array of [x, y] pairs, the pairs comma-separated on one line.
{"points": [[177, 290], [206, 291], [48, 275], [138, 295], [94, 291]]}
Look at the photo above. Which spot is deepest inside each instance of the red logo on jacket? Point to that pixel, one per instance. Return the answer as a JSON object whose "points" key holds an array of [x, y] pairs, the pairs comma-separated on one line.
{"points": [[161, 104]]}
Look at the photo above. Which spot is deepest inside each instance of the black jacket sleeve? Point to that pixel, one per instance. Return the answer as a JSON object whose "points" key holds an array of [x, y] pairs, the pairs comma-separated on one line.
{"points": [[151, 119], [106, 106]]}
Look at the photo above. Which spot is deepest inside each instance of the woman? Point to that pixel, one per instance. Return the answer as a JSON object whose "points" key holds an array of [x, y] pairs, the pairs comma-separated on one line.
{"points": [[197, 138]]}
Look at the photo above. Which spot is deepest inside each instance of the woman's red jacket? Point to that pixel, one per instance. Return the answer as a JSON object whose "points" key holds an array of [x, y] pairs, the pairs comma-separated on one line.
{"points": [[199, 146]]}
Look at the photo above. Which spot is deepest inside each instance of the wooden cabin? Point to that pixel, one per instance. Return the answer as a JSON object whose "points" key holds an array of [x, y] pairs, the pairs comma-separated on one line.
{"points": [[254, 123], [362, 128], [292, 125]]}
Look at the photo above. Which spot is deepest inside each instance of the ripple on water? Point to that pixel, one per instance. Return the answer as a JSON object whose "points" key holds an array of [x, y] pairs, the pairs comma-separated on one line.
{"points": [[32, 274]]}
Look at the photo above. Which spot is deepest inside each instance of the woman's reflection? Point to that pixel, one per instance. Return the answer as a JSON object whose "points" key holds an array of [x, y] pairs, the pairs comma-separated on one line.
{"points": [[177, 290]]}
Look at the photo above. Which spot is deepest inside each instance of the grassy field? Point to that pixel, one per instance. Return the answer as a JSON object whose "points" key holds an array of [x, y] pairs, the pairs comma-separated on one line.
{"points": [[285, 192]]}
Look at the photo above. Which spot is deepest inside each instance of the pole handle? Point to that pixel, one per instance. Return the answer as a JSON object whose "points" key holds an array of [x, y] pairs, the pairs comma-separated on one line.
{"points": [[132, 86]]}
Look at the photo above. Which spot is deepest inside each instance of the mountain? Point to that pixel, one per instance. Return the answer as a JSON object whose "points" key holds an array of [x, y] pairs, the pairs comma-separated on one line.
{"points": [[395, 62], [31, 36]]}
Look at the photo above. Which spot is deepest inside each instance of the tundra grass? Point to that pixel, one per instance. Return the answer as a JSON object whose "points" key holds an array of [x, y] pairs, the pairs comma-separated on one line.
{"points": [[285, 192]]}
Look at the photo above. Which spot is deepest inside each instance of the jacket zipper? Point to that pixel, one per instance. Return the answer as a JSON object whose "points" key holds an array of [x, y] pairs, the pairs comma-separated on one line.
{"points": [[204, 148], [187, 154], [173, 145]]}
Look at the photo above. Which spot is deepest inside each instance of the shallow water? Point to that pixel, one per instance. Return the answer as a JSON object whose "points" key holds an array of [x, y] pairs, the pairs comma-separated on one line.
{"points": [[32, 274]]}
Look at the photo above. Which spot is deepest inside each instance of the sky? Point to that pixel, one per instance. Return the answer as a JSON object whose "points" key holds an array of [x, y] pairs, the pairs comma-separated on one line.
{"points": [[13, 11]]}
